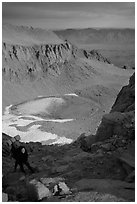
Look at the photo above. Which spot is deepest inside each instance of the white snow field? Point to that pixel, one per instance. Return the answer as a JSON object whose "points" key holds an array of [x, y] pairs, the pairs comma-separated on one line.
{"points": [[10, 121]]}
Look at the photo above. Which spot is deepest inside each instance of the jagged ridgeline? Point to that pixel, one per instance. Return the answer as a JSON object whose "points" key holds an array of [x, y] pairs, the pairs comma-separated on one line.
{"points": [[32, 52], [37, 62]]}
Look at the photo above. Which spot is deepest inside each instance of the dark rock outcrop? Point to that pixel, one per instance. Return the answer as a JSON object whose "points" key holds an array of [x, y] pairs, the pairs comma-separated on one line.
{"points": [[125, 101], [121, 120], [5, 146], [116, 134], [116, 123]]}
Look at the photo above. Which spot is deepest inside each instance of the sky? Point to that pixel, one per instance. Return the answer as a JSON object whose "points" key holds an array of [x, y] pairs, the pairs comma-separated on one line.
{"points": [[62, 15]]}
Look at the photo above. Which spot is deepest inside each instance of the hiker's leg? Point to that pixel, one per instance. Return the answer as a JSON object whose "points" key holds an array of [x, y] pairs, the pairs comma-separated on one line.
{"points": [[16, 164], [29, 167], [21, 167]]}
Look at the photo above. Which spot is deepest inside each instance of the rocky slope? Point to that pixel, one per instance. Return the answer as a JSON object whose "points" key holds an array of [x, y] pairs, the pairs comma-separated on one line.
{"points": [[121, 119], [116, 133], [118, 45], [39, 58], [50, 67], [125, 101], [96, 168], [21, 61], [54, 65], [35, 64], [28, 36]]}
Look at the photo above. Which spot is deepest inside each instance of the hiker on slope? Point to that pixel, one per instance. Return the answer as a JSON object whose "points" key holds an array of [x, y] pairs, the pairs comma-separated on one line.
{"points": [[20, 154]]}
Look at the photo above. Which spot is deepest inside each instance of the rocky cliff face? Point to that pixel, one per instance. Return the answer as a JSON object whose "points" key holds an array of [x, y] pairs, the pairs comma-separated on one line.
{"points": [[22, 62], [117, 128], [19, 61], [121, 120], [37, 62], [116, 44], [125, 101]]}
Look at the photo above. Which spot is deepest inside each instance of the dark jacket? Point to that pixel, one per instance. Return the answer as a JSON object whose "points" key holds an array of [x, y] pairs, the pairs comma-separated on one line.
{"points": [[20, 154]]}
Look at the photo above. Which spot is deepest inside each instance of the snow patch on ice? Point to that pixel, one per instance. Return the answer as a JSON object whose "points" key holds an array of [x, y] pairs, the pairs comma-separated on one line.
{"points": [[62, 140], [33, 133], [71, 94]]}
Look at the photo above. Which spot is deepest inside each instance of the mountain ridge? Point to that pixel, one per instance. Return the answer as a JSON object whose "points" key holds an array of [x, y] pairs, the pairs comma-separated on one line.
{"points": [[23, 35], [57, 69], [91, 35]]}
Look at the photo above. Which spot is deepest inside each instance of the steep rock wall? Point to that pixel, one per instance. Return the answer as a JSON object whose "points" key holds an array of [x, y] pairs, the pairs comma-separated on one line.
{"points": [[121, 120], [21, 61]]}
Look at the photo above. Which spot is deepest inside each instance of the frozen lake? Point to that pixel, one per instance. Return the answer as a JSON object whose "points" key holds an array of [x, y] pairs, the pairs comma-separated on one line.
{"points": [[24, 116], [49, 120]]}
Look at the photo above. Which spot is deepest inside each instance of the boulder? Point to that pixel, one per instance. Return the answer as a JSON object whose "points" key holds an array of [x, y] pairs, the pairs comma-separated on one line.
{"points": [[51, 181], [13, 139], [42, 190], [61, 189], [4, 197], [85, 142], [99, 153], [22, 178], [17, 137], [121, 124], [106, 146]]}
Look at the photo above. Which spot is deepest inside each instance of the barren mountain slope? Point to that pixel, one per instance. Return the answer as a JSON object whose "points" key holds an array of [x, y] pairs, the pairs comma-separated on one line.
{"points": [[27, 36], [94, 171], [55, 69], [56, 65], [118, 45]]}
